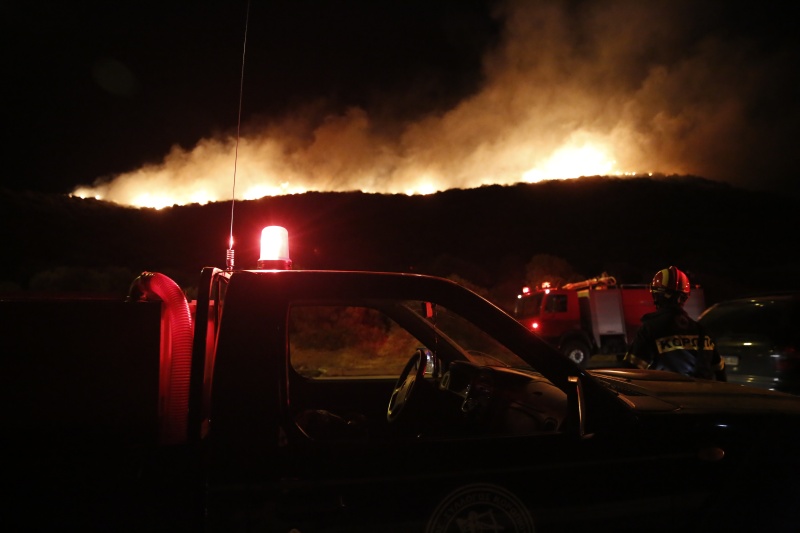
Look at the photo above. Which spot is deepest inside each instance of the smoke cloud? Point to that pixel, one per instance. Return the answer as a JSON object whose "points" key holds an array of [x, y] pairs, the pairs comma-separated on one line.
{"points": [[571, 89]]}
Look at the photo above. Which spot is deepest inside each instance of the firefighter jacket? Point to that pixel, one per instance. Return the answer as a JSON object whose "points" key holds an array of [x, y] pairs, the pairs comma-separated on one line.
{"points": [[669, 339]]}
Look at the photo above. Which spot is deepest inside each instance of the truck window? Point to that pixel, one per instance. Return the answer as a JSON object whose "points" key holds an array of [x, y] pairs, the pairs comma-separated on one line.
{"points": [[328, 341], [477, 345], [376, 340], [529, 306], [556, 303]]}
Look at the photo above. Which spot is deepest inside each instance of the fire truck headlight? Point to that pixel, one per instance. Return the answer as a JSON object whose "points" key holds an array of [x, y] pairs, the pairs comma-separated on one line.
{"points": [[274, 249]]}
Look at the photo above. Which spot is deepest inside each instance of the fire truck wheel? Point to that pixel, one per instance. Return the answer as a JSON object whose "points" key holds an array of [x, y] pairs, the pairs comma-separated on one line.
{"points": [[577, 351]]}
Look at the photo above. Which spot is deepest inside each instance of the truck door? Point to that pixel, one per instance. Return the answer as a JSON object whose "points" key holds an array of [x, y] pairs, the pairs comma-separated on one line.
{"points": [[560, 314], [309, 441], [345, 467]]}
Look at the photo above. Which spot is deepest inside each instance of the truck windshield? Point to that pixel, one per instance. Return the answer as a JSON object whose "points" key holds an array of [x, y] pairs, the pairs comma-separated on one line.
{"points": [[529, 306], [475, 343]]}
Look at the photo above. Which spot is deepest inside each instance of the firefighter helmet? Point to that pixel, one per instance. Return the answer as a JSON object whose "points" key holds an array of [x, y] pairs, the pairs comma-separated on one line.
{"points": [[670, 285]]}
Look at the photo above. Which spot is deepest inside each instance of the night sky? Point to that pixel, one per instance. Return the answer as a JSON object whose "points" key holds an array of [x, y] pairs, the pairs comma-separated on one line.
{"points": [[97, 89]]}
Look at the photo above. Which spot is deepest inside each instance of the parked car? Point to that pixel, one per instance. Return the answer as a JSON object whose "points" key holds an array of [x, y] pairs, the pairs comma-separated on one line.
{"points": [[759, 339]]}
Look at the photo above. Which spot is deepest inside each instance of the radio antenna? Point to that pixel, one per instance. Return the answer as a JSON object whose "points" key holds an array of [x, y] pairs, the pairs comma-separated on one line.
{"points": [[229, 260]]}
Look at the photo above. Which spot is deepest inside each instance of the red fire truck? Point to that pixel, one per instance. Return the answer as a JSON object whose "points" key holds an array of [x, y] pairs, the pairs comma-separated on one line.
{"points": [[594, 316]]}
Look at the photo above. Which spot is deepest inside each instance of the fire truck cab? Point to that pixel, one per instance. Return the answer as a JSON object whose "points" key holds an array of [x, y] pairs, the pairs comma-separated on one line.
{"points": [[590, 317]]}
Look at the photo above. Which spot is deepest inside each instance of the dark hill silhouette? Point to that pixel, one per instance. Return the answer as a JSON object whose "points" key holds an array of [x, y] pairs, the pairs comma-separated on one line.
{"points": [[732, 241]]}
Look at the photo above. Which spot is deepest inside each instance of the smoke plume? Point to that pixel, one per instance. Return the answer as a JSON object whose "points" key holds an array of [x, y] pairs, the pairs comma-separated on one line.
{"points": [[570, 89]]}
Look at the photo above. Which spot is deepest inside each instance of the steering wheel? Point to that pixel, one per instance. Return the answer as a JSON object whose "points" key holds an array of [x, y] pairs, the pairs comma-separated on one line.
{"points": [[403, 389]]}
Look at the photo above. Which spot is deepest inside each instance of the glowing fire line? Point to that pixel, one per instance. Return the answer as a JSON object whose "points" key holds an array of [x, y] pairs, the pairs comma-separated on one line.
{"points": [[193, 177]]}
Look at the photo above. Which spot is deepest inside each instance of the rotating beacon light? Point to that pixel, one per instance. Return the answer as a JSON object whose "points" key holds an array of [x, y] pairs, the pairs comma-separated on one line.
{"points": [[274, 249]]}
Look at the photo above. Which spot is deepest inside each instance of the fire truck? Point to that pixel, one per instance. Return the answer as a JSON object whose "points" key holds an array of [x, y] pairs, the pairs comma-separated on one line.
{"points": [[289, 400], [593, 316]]}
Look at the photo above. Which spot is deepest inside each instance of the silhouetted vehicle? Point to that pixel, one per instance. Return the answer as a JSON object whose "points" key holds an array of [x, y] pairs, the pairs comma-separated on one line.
{"points": [[759, 339], [352, 401]]}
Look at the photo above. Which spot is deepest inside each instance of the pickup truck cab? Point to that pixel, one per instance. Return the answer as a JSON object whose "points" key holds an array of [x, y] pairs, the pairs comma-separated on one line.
{"points": [[369, 401]]}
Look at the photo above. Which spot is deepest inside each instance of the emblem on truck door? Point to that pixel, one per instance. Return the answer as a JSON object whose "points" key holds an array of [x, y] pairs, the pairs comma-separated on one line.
{"points": [[480, 507]]}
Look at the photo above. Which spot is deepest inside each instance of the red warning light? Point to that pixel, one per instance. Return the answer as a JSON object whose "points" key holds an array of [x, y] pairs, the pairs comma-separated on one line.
{"points": [[274, 249]]}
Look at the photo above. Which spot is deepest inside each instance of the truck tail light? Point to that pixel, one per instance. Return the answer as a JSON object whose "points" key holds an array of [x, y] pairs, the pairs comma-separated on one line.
{"points": [[274, 249]]}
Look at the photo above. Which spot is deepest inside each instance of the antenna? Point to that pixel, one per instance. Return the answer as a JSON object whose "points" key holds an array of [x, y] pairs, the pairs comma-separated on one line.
{"points": [[229, 260]]}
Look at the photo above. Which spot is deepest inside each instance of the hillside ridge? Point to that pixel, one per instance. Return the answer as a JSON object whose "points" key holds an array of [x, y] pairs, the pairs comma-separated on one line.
{"points": [[729, 239]]}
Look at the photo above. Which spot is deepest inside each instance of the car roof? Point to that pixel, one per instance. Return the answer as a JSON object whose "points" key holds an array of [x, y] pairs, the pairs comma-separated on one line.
{"points": [[765, 314], [761, 298]]}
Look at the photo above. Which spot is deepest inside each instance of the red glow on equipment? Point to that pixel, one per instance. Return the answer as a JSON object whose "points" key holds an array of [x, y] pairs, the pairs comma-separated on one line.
{"points": [[274, 249], [788, 360], [176, 354], [545, 286]]}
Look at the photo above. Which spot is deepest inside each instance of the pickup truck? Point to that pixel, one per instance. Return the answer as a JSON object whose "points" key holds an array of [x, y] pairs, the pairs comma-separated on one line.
{"points": [[287, 400]]}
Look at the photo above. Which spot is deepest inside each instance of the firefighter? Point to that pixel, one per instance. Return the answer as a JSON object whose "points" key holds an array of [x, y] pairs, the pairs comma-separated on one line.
{"points": [[669, 339]]}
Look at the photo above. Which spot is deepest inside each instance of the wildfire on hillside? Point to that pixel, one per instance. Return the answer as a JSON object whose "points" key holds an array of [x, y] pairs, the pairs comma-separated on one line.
{"points": [[267, 168], [562, 97]]}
